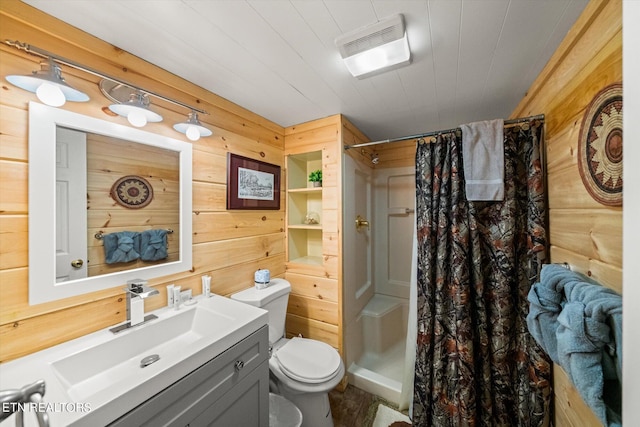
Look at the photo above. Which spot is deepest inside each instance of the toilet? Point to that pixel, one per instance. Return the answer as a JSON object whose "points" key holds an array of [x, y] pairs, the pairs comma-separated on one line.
{"points": [[303, 370]]}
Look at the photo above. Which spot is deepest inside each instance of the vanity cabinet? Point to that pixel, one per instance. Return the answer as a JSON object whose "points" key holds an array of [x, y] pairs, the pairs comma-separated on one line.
{"points": [[230, 389]]}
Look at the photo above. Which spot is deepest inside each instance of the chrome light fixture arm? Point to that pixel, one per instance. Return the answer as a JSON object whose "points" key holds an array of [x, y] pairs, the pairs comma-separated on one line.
{"points": [[59, 59]]}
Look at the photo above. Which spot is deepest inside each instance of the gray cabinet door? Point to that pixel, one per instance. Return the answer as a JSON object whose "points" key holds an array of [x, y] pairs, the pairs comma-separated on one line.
{"points": [[235, 383]]}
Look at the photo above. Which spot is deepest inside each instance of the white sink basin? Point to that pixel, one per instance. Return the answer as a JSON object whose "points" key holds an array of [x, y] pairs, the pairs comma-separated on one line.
{"points": [[105, 365], [102, 371]]}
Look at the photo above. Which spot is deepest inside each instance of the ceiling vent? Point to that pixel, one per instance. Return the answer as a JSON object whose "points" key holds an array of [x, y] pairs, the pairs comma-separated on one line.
{"points": [[375, 48]]}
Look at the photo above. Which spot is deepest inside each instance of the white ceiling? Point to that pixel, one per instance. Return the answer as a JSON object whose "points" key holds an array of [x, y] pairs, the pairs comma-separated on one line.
{"points": [[472, 59]]}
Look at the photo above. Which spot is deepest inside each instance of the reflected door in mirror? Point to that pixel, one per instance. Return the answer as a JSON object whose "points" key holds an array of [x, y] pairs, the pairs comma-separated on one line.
{"points": [[71, 205]]}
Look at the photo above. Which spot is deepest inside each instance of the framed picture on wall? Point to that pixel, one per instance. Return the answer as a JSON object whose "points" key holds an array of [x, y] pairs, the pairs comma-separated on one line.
{"points": [[252, 184]]}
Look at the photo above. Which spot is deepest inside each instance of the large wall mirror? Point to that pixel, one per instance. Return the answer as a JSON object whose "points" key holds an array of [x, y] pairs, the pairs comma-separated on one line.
{"points": [[107, 203]]}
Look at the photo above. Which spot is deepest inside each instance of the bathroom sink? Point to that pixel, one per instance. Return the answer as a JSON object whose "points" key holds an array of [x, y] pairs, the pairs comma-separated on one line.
{"points": [[90, 371], [101, 373]]}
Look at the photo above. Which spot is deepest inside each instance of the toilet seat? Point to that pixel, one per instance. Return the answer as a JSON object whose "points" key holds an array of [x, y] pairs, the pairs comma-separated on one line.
{"points": [[307, 360]]}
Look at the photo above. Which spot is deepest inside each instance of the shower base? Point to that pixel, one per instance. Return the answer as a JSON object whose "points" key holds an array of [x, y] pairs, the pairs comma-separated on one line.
{"points": [[380, 367], [380, 374]]}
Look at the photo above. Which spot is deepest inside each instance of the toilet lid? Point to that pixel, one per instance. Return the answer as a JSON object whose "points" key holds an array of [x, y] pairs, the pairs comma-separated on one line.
{"points": [[307, 360]]}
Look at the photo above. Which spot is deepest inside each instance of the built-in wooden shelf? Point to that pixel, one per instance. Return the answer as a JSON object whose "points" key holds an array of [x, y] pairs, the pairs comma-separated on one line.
{"points": [[304, 241], [305, 226], [308, 260], [305, 190]]}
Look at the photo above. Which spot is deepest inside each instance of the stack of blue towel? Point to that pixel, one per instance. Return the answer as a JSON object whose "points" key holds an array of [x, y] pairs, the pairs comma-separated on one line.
{"points": [[126, 246], [579, 324]]}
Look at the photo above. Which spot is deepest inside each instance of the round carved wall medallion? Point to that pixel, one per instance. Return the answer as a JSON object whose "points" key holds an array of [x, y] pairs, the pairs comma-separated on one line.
{"points": [[600, 147], [133, 192]]}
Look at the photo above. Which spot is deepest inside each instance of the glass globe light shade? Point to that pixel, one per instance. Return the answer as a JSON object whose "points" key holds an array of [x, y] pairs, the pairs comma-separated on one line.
{"points": [[137, 118], [193, 133], [51, 95]]}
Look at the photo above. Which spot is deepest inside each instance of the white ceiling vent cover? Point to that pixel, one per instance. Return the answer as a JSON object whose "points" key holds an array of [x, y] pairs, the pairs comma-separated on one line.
{"points": [[375, 48]]}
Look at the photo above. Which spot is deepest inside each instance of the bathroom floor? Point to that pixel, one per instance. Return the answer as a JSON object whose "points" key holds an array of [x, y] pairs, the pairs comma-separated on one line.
{"points": [[355, 407]]}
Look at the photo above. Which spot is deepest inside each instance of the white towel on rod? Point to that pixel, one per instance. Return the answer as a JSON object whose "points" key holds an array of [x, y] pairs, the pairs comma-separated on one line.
{"points": [[483, 159]]}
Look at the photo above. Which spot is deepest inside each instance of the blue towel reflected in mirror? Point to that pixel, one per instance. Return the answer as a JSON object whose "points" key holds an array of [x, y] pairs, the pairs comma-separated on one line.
{"points": [[127, 246], [153, 245], [123, 246]]}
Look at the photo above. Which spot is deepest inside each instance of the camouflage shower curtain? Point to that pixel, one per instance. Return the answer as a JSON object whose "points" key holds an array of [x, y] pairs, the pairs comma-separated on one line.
{"points": [[476, 364]]}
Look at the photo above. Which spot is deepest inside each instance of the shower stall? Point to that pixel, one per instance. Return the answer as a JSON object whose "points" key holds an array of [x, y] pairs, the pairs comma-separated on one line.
{"points": [[379, 224]]}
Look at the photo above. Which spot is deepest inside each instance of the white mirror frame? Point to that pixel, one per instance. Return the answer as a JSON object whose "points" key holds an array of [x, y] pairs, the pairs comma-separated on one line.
{"points": [[43, 121]]}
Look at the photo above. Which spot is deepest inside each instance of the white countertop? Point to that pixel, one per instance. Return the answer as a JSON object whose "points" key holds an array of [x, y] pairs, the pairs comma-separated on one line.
{"points": [[68, 406]]}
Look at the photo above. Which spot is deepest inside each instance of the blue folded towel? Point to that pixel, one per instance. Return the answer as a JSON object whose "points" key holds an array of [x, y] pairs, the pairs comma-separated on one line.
{"points": [[579, 324], [153, 245], [545, 305], [123, 246]]}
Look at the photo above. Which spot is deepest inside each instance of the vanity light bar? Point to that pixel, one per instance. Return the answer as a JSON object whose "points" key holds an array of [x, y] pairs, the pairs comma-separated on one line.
{"points": [[46, 54]]}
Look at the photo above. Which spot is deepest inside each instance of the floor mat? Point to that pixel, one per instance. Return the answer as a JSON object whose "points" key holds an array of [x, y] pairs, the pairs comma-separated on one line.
{"points": [[386, 417]]}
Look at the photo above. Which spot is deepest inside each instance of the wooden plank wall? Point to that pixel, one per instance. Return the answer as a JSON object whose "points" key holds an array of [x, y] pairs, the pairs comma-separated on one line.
{"points": [[109, 159], [397, 154], [228, 245], [589, 59], [351, 135], [315, 303], [582, 232]]}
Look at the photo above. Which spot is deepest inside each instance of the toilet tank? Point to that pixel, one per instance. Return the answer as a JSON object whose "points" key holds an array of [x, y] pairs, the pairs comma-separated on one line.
{"points": [[274, 299]]}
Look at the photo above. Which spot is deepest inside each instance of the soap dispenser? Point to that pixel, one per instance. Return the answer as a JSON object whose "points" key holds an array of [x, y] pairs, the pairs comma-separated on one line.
{"points": [[177, 298]]}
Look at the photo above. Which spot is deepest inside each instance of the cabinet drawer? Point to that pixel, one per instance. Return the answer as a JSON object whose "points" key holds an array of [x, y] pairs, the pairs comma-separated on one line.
{"points": [[190, 396]]}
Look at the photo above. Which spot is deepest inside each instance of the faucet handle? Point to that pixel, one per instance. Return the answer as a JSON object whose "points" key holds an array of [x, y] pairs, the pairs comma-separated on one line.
{"points": [[134, 289], [136, 285], [139, 287]]}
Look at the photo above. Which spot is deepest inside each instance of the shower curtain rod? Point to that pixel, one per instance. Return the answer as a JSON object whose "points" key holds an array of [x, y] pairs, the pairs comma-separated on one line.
{"points": [[424, 135]]}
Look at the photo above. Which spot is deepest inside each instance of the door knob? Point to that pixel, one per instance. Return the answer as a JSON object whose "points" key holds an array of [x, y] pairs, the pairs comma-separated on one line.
{"points": [[77, 263], [361, 222]]}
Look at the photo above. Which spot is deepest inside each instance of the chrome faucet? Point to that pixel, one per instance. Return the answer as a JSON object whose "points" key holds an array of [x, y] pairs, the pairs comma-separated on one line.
{"points": [[13, 401], [135, 289], [139, 288]]}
